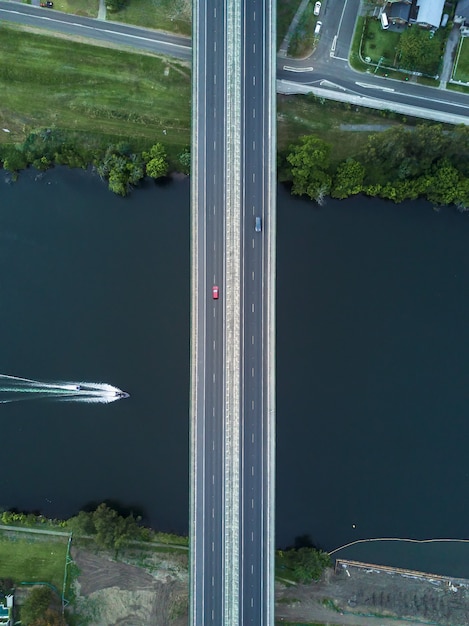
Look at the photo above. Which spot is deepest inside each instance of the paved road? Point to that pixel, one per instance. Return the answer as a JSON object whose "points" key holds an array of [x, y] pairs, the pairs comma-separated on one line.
{"points": [[232, 429], [111, 32], [327, 71], [258, 279]]}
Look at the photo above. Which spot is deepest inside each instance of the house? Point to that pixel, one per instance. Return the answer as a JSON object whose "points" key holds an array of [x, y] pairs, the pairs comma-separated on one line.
{"points": [[398, 12], [461, 15], [6, 612], [429, 13]]}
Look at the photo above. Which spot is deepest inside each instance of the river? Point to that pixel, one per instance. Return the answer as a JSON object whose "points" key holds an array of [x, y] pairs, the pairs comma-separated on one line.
{"points": [[372, 343]]}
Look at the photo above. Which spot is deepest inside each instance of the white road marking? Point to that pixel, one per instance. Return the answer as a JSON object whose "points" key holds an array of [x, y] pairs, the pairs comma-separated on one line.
{"points": [[289, 68], [252, 405], [252, 340], [253, 276], [253, 177], [252, 372], [253, 80], [254, 113], [253, 145], [252, 307], [254, 48]]}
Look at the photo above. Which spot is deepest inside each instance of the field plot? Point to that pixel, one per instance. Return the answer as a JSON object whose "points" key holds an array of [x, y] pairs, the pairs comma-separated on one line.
{"points": [[93, 90], [170, 15], [32, 558]]}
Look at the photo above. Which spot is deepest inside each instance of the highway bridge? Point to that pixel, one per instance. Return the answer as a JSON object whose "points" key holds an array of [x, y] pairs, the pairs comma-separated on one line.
{"points": [[233, 313]]}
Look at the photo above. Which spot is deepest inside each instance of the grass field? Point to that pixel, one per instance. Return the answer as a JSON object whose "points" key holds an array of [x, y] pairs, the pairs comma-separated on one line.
{"points": [[37, 558], [87, 8], [171, 15], [94, 91], [380, 43], [461, 71], [306, 116]]}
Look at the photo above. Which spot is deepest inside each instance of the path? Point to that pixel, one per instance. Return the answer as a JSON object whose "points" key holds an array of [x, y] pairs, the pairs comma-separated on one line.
{"points": [[448, 59], [102, 10]]}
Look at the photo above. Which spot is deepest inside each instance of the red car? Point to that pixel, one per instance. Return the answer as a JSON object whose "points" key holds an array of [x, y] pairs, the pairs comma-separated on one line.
{"points": [[215, 292]]}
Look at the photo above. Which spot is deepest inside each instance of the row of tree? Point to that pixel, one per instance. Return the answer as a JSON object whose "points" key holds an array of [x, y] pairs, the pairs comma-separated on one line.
{"points": [[42, 608], [118, 164], [397, 164]]}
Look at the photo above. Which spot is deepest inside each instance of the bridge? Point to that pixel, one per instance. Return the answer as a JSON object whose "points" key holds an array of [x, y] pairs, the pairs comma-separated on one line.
{"points": [[233, 313]]}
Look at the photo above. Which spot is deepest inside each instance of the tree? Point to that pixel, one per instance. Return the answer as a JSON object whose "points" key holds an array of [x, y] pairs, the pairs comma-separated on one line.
{"points": [[52, 617], [36, 605], [156, 161], [418, 51], [305, 564], [309, 161], [348, 179], [115, 5], [446, 186], [112, 530], [185, 160]]}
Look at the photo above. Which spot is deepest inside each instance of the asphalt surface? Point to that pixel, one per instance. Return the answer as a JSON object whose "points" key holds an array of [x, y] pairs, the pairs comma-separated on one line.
{"points": [[208, 330], [257, 435], [232, 412]]}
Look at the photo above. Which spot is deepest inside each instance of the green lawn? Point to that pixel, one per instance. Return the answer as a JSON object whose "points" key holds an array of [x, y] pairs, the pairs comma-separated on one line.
{"points": [[37, 558], [461, 71], [378, 43], [170, 15], [91, 90], [87, 8]]}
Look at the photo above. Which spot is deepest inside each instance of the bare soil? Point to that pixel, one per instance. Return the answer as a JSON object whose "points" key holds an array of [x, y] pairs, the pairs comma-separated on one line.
{"points": [[151, 589]]}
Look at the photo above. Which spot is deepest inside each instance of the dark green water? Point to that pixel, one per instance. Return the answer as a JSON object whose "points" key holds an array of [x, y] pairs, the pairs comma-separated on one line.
{"points": [[372, 360]]}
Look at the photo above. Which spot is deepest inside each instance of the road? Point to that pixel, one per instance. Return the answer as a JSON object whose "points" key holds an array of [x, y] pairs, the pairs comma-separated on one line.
{"points": [[326, 72], [232, 355]]}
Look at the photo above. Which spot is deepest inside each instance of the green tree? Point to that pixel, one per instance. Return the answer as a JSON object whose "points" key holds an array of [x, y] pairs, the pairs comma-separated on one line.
{"points": [[418, 51], [309, 161], [445, 185], [112, 530], [115, 5], [348, 179], [82, 524], [36, 604], [304, 564], [185, 160], [51, 617], [156, 161]]}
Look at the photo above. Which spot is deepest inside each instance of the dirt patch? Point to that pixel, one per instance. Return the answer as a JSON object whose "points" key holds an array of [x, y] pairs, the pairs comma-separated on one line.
{"points": [[151, 589], [362, 594], [112, 593]]}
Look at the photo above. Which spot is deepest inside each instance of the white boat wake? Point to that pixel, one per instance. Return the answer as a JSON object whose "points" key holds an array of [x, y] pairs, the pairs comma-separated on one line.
{"points": [[17, 389]]}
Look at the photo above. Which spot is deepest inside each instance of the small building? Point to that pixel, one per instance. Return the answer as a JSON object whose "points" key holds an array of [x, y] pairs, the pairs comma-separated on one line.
{"points": [[399, 12], [429, 13], [6, 611]]}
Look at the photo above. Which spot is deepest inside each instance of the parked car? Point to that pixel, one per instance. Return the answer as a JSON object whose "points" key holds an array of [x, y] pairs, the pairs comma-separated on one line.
{"points": [[215, 292], [317, 8], [317, 30], [49, 5]]}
